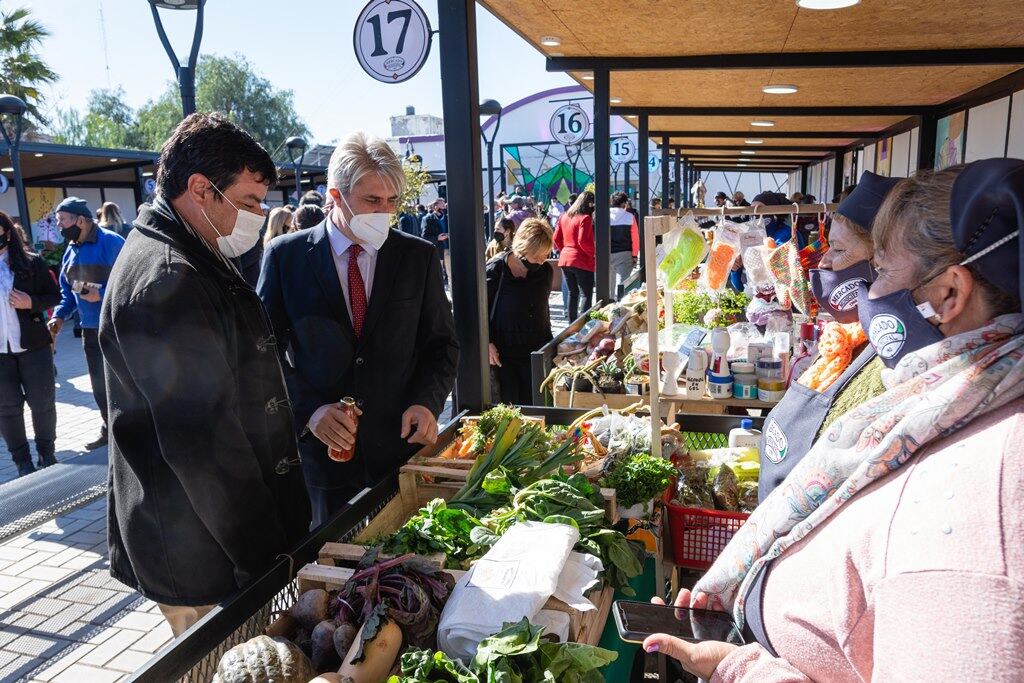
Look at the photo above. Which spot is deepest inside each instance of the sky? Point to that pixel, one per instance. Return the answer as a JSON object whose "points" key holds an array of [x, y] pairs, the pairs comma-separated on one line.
{"points": [[300, 45]]}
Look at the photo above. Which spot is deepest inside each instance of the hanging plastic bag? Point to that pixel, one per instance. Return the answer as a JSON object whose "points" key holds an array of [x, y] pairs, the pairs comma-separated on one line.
{"points": [[722, 256], [685, 248], [791, 283]]}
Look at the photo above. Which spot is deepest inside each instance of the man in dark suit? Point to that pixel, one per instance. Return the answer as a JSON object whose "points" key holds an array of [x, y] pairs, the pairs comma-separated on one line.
{"points": [[363, 311]]}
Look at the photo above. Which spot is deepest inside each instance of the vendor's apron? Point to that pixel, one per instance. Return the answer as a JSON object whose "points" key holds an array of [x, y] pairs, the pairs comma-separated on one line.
{"points": [[753, 613], [792, 426]]}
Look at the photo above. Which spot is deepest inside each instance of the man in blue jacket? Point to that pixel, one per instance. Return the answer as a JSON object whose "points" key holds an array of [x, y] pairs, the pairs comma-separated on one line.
{"points": [[84, 271]]}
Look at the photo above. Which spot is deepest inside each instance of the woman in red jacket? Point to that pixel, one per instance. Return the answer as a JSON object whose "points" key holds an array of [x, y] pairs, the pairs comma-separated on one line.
{"points": [[574, 241]]}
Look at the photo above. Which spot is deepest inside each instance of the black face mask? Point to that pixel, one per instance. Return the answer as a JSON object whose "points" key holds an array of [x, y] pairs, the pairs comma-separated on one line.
{"points": [[499, 236], [72, 233], [836, 290]]}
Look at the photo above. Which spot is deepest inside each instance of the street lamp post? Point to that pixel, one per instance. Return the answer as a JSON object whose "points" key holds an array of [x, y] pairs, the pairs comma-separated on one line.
{"points": [[490, 108], [297, 153], [15, 107], [186, 72]]}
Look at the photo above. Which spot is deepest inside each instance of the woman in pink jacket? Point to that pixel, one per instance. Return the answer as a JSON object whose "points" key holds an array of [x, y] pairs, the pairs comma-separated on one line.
{"points": [[894, 551]]}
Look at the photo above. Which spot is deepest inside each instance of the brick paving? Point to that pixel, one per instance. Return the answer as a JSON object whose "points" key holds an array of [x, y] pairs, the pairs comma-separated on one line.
{"points": [[62, 617]]}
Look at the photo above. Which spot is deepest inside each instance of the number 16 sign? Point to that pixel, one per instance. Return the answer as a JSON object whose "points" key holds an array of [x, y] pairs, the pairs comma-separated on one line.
{"points": [[392, 39], [569, 124]]}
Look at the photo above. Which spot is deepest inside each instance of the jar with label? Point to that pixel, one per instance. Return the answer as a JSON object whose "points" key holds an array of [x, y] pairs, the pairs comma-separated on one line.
{"points": [[769, 368], [771, 390], [719, 386], [744, 380]]}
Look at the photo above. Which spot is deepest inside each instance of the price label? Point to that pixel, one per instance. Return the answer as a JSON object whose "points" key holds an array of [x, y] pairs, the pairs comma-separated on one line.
{"points": [[392, 39], [622, 150], [570, 124]]}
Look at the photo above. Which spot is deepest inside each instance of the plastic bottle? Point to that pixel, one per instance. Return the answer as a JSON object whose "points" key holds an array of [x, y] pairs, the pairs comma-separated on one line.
{"points": [[696, 380], [720, 342], [745, 435], [348, 406], [671, 361]]}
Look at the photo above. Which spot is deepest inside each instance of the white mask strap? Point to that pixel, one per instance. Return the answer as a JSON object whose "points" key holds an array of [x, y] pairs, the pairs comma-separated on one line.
{"points": [[992, 247]]}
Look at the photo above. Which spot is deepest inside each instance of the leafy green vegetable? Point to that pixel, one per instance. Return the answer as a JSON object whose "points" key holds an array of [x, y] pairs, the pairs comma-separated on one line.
{"points": [[513, 655], [639, 478], [691, 306], [599, 315], [490, 420], [437, 528]]}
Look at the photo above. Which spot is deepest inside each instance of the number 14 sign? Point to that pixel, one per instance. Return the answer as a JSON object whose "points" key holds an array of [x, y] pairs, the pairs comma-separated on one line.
{"points": [[392, 39]]}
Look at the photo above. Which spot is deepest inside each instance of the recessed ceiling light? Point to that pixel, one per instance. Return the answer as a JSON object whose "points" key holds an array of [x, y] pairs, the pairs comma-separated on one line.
{"points": [[38, 154], [615, 100], [113, 160], [779, 89], [826, 4], [7, 169], [550, 41], [762, 124], [753, 142], [748, 152], [147, 174], [557, 54], [588, 77]]}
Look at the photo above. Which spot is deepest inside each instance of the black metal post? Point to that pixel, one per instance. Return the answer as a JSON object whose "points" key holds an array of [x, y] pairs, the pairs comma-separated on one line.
{"points": [[138, 189], [837, 177], [186, 73], [490, 185], [19, 185], [625, 177], [804, 172], [679, 179], [926, 141], [602, 161], [460, 100], [664, 171], [644, 181]]}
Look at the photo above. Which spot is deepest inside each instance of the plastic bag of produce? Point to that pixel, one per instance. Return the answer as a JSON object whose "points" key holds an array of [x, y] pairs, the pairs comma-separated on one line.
{"points": [[685, 248]]}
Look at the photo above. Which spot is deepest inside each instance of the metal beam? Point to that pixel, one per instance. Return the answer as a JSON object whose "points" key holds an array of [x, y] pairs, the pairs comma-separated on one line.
{"points": [[665, 161], [766, 148], [926, 143], [796, 60], [768, 135], [602, 164], [88, 171], [678, 168], [762, 157], [740, 169], [460, 99], [644, 182], [868, 110]]}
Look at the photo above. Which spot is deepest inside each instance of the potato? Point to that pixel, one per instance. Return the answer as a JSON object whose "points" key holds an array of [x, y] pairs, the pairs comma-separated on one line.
{"points": [[378, 657]]}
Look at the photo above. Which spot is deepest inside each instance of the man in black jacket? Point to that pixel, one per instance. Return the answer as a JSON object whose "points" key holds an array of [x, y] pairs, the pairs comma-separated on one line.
{"points": [[363, 311], [205, 484]]}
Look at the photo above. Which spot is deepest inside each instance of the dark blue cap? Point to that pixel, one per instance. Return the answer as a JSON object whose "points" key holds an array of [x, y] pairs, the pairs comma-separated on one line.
{"points": [[76, 206], [986, 209], [862, 205]]}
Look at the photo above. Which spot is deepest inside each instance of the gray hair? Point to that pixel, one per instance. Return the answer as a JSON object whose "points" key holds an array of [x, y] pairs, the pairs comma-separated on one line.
{"points": [[358, 155]]}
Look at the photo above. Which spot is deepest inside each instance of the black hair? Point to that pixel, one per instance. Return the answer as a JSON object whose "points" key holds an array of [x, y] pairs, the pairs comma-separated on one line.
{"points": [[619, 199], [308, 215], [211, 145], [312, 197], [420, 208], [18, 255]]}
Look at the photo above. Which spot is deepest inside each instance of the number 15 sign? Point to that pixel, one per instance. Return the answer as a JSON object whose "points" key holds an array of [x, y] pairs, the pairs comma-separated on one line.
{"points": [[392, 39]]}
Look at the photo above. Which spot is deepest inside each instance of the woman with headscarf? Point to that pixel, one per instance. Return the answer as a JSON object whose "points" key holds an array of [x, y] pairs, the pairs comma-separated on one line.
{"points": [[892, 551], [846, 371]]}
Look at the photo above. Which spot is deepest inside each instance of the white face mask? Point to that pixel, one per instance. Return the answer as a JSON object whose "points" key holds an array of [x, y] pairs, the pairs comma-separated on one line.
{"points": [[245, 233], [368, 228]]}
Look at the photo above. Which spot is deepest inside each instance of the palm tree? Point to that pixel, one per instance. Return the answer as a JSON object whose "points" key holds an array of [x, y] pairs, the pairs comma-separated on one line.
{"points": [[23, 72]]}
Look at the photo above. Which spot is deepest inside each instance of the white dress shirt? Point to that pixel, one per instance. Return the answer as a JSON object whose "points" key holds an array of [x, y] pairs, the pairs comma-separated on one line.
{"points": [[10, 327], [367, 261]]}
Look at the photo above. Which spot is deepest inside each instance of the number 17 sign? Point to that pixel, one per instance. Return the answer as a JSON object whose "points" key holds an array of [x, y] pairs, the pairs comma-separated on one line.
{"points": [[392, 39]]}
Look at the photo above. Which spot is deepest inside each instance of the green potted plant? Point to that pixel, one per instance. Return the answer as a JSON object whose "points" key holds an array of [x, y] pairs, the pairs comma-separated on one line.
{"points": [[638, 480], [609, 378], [637, 383]]}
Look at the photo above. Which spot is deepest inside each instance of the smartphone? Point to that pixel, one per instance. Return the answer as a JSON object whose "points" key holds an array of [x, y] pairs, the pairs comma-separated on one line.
{"points": [[637, 620]]}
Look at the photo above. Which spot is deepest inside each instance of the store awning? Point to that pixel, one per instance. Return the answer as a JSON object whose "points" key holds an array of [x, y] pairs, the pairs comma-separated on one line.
{"points": [[697, 69]]}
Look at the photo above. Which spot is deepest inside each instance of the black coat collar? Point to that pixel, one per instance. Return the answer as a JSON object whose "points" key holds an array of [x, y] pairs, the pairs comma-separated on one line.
{"points": [[159, 221]]}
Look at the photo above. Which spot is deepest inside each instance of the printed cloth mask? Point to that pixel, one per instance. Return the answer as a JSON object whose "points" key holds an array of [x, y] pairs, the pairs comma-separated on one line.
{"points": [[245, 233], [368, 228], [836, 290], [895, 324]]}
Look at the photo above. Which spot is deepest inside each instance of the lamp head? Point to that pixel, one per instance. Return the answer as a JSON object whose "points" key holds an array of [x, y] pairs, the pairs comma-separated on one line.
{"points": [[10, 104], [490, 108], [175, 4]]}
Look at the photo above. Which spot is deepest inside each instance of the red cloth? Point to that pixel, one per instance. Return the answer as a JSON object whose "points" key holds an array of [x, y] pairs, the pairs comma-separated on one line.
{"points": [[356, 289], [634, 232], [574, 240]]}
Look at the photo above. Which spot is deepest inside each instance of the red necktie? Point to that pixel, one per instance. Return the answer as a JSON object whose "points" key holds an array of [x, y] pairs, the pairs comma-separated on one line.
{"points": [[356, 289]]}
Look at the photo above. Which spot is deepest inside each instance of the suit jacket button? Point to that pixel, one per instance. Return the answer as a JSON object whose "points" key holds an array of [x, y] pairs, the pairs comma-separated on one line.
{"points": [[359, 361]]}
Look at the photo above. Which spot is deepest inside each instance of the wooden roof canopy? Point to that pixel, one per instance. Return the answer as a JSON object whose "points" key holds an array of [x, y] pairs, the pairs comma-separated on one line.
{"points": [[696, 68]]}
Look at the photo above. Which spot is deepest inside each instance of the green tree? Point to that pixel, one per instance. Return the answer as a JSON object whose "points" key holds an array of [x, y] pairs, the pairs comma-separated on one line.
{"points": [[110, 122], [22, 71], [67, 127], [228, 85]]}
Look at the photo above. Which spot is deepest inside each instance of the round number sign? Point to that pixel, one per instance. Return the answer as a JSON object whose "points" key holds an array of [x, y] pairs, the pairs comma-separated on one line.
{"points": [[392, 39], [653, 161], [570, 124], [4, 184], [622, 150], [149, 186]]}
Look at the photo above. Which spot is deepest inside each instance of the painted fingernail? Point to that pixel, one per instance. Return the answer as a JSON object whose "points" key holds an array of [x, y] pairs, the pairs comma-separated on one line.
{"points": [[653, 647]]}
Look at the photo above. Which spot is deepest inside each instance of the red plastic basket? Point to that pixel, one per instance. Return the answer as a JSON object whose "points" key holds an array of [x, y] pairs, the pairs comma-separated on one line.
{"points": [[699, 535]]}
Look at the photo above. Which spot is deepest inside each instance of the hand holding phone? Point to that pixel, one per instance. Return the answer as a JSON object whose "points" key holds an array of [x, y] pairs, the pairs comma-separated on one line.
{"points": [[637, 620]]}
